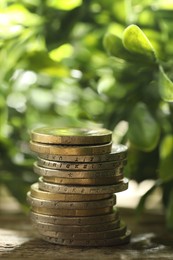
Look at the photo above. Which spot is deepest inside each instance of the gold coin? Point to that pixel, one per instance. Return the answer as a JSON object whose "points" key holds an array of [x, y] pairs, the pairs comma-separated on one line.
{"points": [[70, 150], [76, 174], [40, 194], [79, 221], [116, 232], [72, 213], [70, 166], [56, 204], [118, 152], [76, 228], [71, 136], [115, 241], [97, 181], [105, 189]]}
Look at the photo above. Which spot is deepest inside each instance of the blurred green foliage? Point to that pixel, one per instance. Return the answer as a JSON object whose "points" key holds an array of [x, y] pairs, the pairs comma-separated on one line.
{"points": [[80, 63]]}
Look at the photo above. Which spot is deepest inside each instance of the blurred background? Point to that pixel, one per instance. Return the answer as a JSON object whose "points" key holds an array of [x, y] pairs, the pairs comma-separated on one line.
{"points": [[62, 63]]}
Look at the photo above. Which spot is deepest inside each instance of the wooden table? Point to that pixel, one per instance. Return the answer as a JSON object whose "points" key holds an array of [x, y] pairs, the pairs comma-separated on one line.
{"points": [[150, 240]]}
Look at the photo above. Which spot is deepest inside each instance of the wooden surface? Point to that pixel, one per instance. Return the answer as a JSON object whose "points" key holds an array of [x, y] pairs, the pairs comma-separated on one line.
{"points": [[149, 240]]}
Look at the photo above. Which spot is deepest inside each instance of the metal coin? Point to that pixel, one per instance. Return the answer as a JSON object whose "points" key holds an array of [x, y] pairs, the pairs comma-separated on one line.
{"points": [[34, 202], [71, 136], [72, 213], [97, 181], [70, 150], [116, 232], [40, 194], [75, 228], [79, 221], [71, 166], [105, 189], [115, 241], [68, 234], [118, 152], [76, 174]]}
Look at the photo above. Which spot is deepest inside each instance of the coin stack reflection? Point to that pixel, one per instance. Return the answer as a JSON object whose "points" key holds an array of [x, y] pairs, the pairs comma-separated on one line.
{"points": [[73, 202]]}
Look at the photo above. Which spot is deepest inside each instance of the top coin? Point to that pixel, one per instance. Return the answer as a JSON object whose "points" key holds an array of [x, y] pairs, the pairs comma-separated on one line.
{"points": [[71, 136]]}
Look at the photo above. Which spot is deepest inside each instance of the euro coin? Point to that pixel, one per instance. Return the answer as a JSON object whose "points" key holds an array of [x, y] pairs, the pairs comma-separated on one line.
{"points": [[115, 232], [44, 195], [80, 166], [76, 174], [115, 241], [34, 202], [70, 150], [104, 189], [72, 212], [118, 152], [71, 136], [79, 221], [75, 228], [96, 181]]}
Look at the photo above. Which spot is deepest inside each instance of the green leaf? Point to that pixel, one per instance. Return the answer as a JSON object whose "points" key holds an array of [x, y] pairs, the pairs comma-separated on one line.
{"points": [[144, 131], [40, 61], [62, 52], [113, 44], [164, 5], [17, 14], [64, 5], [141, 205], [18, 189], [166, 158], [169, 212], [165, 86], [137, 42]]}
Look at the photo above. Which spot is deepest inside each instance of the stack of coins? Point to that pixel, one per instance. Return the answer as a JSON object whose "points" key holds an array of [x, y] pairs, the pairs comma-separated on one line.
{"points": [[74, 201]]}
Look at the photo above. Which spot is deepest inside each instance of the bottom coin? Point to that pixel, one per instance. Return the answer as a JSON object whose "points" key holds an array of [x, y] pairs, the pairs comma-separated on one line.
{"points": [[115, 241], [59, 220], [72, 213]]}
